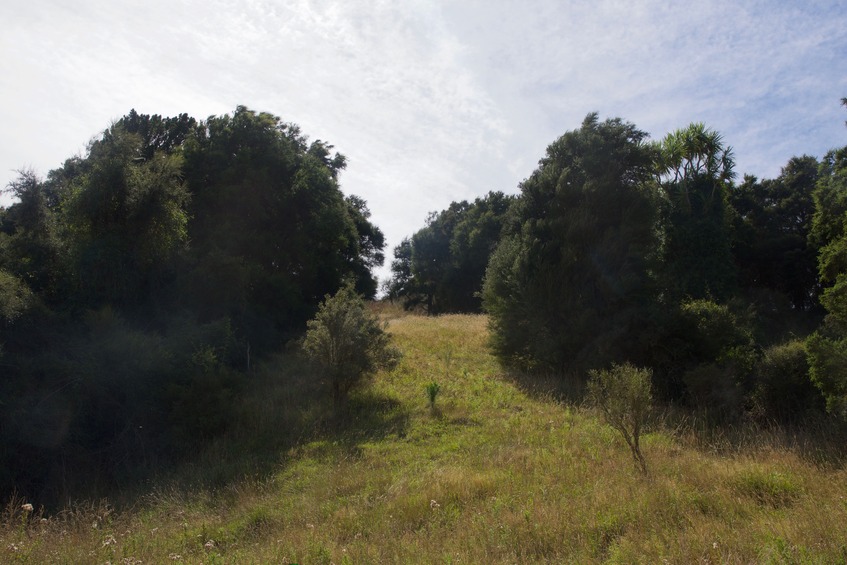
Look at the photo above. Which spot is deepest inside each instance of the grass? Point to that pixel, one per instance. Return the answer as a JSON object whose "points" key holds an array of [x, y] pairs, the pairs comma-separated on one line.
{"points": [[500, 473]]}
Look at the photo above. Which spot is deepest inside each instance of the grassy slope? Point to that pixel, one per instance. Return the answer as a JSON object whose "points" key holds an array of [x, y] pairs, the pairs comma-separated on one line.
{"points": [[494, 475]]}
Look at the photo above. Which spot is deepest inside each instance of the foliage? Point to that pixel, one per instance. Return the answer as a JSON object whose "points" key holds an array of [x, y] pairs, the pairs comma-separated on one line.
{"points": [[571, 287], [783, 389], [772, 244], [270, 219], [704, 357], [347, 342], [828, 346], [125, 219], [623, 395], [697, 172], [141, 282], [15, 299], [442, 266]]}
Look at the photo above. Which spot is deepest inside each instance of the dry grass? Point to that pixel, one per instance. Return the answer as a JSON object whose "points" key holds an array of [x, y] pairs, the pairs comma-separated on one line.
{"points": [[495, 475]]}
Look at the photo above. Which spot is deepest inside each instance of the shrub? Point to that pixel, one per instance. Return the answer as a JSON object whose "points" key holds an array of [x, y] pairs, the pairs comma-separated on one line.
{"points": [[783, 389], [623, 395], [347, 342]]}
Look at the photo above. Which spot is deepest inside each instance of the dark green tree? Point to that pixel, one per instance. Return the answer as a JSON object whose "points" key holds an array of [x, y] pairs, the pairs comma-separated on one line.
{"points": [[368, 252], [271, 232], [827, 348], [772, 246], [697, 174], [30, 246], [442, 265], [571, 288], [125, 219]]}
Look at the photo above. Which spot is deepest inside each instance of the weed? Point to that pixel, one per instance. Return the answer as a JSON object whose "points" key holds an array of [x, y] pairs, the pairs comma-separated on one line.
{"points": [[432, 392]]}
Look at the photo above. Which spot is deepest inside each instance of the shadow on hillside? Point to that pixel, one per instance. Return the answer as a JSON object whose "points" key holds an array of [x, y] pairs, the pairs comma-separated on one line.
{"points": [[568, 389], [817, 439], [283, 408], [268, 438]]}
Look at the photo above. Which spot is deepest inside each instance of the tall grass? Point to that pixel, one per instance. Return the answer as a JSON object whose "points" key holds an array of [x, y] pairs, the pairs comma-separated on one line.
{"points": [[504, 475]]}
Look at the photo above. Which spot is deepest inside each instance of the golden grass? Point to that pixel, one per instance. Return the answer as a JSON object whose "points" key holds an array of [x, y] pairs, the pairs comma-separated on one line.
{"points": [[493, 475]]}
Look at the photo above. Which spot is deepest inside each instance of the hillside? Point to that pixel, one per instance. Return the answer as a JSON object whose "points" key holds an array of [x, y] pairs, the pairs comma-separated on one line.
{"points": [[494, 474]]}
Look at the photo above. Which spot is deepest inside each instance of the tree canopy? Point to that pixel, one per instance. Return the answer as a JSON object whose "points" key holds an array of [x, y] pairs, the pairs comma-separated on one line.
{"points": [[572, 283], [139, 282]]}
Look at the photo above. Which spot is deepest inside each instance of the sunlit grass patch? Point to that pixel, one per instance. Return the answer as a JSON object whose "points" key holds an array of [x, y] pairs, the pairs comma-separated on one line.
{"points": [[773, 488]]}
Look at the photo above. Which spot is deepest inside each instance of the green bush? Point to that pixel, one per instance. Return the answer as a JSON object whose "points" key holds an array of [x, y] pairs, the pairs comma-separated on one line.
{"points": [[783, 389], [828, 369], [706, 357], [347, 342], [623, 395]]}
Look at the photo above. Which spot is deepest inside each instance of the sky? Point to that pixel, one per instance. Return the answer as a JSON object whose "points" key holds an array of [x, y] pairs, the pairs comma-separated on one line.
{"points": [[430, 101]]}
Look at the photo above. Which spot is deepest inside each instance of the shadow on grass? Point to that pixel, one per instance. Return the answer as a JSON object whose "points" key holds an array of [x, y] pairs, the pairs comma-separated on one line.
{"points": [[282, 407], [565, 388], [816, 439], [285, 412]]}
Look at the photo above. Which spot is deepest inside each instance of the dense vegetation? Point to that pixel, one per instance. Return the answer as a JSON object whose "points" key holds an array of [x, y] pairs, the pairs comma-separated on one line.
{"points": [[440, 267], [622, 250], [141, 282]]}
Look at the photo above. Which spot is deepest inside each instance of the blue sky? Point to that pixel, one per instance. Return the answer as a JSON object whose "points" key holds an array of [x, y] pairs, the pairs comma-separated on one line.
{"points": [[431, 101]]}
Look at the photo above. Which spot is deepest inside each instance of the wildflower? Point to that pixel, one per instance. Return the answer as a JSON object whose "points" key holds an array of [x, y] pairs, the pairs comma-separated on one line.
{"points": [[109, 541], [26, 507], [209, 544], [174, 556], [12, 547], [433, 504]]}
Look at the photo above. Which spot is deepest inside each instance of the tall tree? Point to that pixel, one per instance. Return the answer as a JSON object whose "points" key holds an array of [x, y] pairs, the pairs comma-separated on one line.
{"points": [[827, 348], [271, 231], [698, 171], [442, 265], [571, 288], [125, 219], [772, 243]]}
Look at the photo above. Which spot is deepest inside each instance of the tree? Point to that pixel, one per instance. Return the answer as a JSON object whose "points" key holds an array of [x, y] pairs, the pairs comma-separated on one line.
{"points": [[697, 171], [571, 287], [368, 251], [32, 249], [347, 342], [442, 265], [772, 246], [271, 231], [125, 219], [623, 395], [827, 347]]}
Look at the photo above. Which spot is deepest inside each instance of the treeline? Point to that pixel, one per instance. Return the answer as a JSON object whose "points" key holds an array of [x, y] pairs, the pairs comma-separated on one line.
{"points": [[140, 283], [619, 249]]}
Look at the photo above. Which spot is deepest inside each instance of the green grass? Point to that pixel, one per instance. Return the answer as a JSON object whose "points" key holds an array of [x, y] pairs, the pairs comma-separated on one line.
{"points": [[497, 474]]}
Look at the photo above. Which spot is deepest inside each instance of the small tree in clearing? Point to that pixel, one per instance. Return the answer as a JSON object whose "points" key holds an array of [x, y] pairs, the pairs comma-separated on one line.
{"points": [[623, 395], [347, 342]]}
